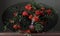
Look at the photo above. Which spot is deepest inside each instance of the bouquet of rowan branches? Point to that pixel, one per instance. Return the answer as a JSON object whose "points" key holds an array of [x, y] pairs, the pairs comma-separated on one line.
{"points": [[28, 17]]}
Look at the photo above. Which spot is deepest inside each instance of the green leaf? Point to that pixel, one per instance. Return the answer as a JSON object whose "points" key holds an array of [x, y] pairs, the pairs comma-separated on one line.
{"points": [[5, 28], [34, 7], [19, 17], [38, 26]]}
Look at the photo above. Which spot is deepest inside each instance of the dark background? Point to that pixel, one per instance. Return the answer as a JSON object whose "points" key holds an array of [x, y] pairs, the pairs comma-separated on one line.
{"points": [[4, 4]]}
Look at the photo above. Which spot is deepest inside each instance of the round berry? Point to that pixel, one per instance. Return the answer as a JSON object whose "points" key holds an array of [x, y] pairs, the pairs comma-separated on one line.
{"points": [[24, 13], [35, 18], [15, 26], [37, 12], [28, 7], [30, 17], [49, 11], [18, 26]]}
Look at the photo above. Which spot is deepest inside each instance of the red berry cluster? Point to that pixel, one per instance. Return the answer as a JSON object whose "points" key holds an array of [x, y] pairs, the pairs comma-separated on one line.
{"points": [[16, 27], [37, 12]]}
